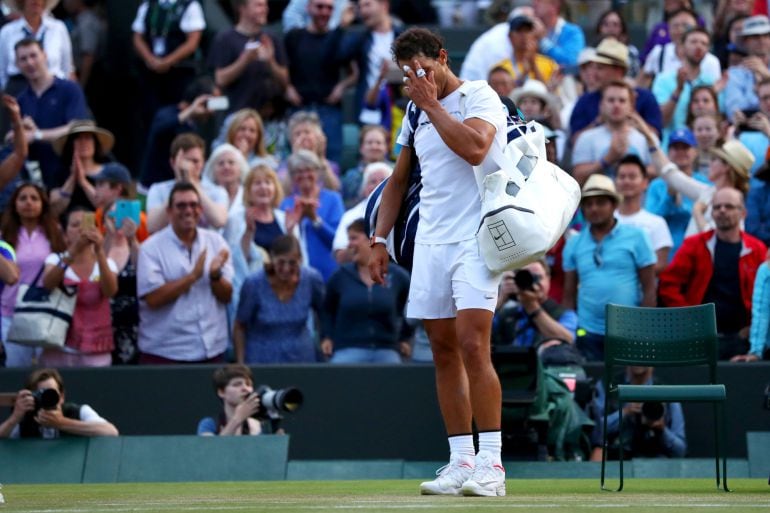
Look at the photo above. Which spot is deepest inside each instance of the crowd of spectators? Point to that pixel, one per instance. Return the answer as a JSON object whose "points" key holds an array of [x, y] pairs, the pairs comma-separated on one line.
{"points": [[249, 245]]}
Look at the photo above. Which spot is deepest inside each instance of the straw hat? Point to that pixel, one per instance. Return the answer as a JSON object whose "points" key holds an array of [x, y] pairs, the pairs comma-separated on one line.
{"points": [[105, 137], [537, 89], [600, 185], [736, 155], [18, 5], [612, 52]]}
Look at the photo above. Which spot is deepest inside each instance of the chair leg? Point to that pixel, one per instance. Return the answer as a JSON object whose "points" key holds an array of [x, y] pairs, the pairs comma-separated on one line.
{"points": [[723, 436], [716, 442], [604, 446], [620, 448]]}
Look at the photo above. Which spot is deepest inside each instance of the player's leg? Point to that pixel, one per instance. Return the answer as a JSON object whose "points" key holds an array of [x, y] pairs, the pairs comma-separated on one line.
{"points": [[454, 401], [473, 333]]}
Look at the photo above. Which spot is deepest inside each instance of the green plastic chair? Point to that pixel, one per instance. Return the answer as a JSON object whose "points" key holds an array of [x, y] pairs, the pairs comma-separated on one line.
{"points": [[663, 337]]}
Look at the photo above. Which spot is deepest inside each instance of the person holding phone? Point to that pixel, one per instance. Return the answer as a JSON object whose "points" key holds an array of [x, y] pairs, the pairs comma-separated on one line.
{"points": [[124, 227], [86, 266]]}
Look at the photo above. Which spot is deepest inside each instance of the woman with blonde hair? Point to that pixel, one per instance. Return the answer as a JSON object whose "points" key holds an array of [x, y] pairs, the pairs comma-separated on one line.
{"points": [[246, 131]]}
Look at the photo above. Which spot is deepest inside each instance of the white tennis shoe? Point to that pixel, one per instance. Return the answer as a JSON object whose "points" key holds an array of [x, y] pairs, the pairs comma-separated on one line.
{"points": [[450, 477], [488, 479]]}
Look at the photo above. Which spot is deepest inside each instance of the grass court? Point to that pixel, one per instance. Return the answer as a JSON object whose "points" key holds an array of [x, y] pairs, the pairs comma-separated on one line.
{"points": [[562, 495]]}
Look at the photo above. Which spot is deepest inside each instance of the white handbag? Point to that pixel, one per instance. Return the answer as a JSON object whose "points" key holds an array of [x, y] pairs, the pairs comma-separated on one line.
{"points": [[525, 206], [42, 317]]}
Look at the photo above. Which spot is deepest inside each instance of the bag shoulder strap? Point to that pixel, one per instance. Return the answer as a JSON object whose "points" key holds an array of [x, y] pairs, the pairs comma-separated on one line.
{"points": [[37, 276]]}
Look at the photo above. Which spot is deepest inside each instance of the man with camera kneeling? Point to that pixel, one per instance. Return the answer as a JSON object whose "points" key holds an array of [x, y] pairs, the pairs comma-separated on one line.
{"points": [[40, 412], [650, 429], [244, 410], [527, 317]]}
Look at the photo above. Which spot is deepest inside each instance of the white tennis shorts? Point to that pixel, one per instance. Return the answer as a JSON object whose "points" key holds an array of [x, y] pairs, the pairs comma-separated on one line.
{"points": [[450, 277]]}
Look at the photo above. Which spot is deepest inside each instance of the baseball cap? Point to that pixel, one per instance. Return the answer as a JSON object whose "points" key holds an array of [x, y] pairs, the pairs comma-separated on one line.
{"points": [[113, 172], [521, 21], [684, 136]]}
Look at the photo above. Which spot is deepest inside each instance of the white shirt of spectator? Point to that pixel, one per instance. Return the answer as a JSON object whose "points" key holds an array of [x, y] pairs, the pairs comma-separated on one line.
{"points": [[86, 414], [341, 235], [450, 205], [487, 50], [654, 225], [192, 19], [70, 275], [709, 66], [159, 192], [194, 326], [380, 51], [592, 144], [55, 39]]}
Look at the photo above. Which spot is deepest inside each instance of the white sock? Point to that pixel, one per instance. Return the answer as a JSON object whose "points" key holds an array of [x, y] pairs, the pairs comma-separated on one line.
{"points": [[461, 445], [491, 441]]}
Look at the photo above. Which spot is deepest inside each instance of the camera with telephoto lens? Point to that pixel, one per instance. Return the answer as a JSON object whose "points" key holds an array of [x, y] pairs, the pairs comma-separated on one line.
{"points": [[653, 411], [273, 402], [46, 399], [525, 280]]}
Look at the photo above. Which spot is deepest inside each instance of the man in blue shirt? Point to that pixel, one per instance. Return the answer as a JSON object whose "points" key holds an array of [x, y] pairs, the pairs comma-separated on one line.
{"points": [[607, 262], [51, 104], [740, 93], [559, 39], [612, 63]]}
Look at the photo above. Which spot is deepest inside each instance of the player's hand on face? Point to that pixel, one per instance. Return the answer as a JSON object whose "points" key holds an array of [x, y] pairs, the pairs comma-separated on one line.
{"points": [[420, 85]]}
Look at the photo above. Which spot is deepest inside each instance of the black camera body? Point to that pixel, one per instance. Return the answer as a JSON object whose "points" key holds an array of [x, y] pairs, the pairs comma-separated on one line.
{"points": [[46, 399], [653, 411], [525, 280], [273, 402]]}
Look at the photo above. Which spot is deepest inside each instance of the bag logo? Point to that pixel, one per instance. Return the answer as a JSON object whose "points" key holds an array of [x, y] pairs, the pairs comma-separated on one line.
{"points": [[501, 235]]}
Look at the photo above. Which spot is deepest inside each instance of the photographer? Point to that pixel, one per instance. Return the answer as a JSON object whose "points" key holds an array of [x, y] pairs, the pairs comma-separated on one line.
{"points": [[40, 412], [525, 316], [650, 430], [241, 406]]}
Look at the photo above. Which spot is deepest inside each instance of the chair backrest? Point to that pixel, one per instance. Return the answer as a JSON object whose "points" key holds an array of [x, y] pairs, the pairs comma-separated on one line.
{"points": [[660, 337]]}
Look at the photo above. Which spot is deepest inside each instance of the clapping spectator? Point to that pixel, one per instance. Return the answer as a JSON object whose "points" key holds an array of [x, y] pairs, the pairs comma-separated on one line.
{"points": [[316, 67], [188, 155], [86, 266], [184, 282], [558, 38], [525, 62], [250, 62], [84, 149], [668, 57], [275, 305], [31, 228], [316, 210], [364, 322], [598, 150]]}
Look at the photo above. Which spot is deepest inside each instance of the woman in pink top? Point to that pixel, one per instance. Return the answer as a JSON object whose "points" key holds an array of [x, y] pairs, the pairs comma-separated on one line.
{"points": [[84, 265], [29, 226]]}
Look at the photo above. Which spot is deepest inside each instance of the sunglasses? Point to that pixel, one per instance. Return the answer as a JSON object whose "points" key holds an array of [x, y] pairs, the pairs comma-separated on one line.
{"points": [[185, 205]]}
